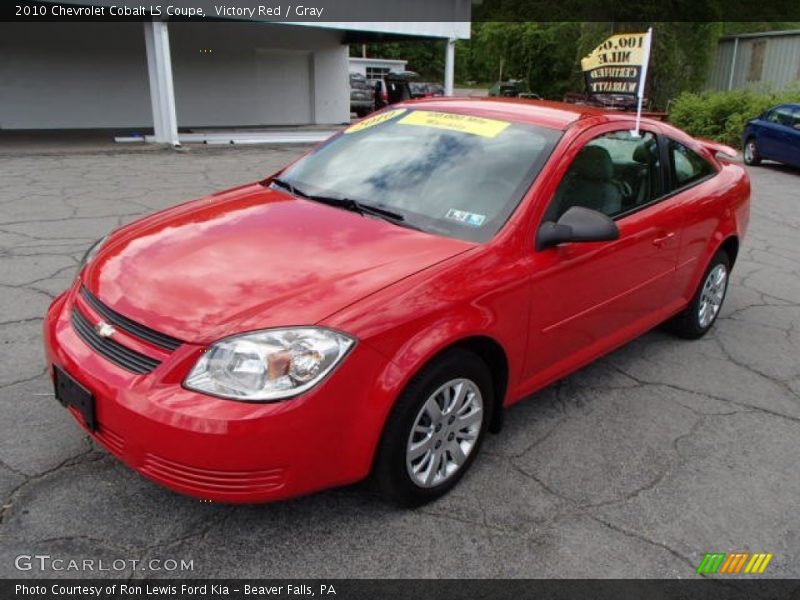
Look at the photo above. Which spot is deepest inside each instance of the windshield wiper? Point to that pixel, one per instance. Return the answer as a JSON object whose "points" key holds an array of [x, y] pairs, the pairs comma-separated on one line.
{"points": [[363, 208], [359, 207], [288, 186], [356, 206]]}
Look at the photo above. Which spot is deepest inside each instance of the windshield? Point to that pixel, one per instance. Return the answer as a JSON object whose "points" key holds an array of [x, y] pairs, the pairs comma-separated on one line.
{"points": [[451, 174]]}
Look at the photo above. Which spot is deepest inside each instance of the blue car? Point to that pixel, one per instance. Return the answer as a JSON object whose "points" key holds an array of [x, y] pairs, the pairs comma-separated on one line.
{"points": [[775, 135]]}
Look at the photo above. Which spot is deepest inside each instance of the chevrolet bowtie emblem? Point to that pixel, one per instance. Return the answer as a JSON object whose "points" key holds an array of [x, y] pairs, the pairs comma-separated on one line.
{"points": [[105, 330]]}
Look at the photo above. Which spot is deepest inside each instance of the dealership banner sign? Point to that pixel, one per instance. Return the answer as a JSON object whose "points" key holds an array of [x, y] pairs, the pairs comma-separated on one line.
{"points": [[618, 65]]}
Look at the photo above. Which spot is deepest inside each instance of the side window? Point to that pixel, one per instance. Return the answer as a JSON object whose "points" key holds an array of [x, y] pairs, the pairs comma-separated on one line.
{"points": [[784, 115], [687, 166], [614, 174]]}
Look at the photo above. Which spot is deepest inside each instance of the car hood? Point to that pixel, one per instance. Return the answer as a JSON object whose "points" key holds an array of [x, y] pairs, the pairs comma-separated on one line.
{"points": [[253, 258]]}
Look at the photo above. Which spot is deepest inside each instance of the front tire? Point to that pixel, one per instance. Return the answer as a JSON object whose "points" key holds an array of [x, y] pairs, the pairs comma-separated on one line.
{"points": [[751, 154], [701, 314], [435, 429]]}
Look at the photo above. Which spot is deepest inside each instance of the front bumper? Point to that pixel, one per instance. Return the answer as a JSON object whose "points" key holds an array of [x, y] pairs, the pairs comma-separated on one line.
{"points": [[218, 449]]}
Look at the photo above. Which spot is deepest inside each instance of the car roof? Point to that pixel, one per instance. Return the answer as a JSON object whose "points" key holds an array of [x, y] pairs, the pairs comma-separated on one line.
{"points": [[553, 115]]}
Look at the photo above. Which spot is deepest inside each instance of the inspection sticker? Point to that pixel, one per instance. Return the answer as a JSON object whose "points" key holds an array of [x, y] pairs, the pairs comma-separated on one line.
{"points": [[465, 218], [454, 122], [376, 120]]}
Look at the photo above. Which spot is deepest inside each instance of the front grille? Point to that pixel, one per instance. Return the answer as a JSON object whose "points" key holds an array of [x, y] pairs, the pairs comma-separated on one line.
{"points": [[115, 352], [124, 323]]}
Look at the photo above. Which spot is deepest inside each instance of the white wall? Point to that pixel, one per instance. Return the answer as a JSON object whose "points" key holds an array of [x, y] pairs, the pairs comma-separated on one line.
{"points": [[94, 75], [56, 75], [232, 84], [359, 65]]}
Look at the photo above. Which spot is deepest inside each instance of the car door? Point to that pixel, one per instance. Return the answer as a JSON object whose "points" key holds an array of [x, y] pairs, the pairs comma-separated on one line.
{"points": [[589, 297], [788, 150], [775, 130]]}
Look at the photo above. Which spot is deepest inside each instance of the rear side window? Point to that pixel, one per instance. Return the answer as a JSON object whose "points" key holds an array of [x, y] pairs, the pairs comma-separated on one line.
{"points": [[687, 166]]}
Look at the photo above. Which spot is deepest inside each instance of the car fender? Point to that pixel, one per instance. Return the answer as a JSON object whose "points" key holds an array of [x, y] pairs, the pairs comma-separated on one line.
{"points": [[733, 222], [750, 130], [428, 342], [417, 352], [451, 310]]}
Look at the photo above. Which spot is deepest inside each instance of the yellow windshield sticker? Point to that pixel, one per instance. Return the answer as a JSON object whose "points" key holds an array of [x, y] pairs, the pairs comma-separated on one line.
{"points": [[455, 122], [376, 120]]}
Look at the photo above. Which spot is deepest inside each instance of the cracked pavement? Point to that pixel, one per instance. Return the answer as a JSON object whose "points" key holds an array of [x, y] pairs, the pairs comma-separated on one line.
{"points": [[633, 467]]}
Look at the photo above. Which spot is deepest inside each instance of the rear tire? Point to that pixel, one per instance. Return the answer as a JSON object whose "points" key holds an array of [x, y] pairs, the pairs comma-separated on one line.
{"points": [[751, 155], [435, 430], [702, 312]]}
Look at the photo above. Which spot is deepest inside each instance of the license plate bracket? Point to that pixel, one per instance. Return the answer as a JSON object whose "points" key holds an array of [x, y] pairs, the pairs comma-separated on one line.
{"points": [[71, 393]]}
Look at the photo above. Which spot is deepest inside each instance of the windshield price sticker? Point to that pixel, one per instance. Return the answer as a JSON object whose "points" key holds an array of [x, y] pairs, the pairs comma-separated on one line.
{"points": [[376, 120], [455, 122]]}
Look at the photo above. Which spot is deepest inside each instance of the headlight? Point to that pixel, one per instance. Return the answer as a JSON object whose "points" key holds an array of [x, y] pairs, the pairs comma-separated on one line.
{"points": [[92, 252], [270, 364]]}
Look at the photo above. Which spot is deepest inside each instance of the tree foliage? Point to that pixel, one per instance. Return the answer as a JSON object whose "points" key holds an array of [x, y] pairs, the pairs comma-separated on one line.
{"points": [[546, 55]]}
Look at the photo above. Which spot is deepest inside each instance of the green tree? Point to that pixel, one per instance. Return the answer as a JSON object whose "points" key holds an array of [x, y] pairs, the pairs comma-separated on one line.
{"points": [[546, 55]]}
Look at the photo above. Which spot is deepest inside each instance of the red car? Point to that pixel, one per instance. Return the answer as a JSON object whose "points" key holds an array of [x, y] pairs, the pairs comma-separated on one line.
{"points": [[373, 307]]}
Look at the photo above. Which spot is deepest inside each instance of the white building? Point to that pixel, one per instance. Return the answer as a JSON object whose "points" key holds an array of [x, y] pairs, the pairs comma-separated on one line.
{"points": [[137, 76], [375, 68], [768, 59]]}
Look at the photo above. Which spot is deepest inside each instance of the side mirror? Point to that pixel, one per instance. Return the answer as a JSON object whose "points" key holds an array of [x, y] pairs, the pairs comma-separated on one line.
{"points": [[578, 224]]}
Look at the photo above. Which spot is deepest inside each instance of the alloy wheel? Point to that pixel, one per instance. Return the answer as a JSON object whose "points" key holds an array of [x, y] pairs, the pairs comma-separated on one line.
{"points": [[749, 151], [712, 295], [444, 433]]}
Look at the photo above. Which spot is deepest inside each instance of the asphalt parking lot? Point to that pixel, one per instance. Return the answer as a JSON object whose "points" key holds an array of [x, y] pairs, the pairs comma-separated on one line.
{"points": [[634, 467]]}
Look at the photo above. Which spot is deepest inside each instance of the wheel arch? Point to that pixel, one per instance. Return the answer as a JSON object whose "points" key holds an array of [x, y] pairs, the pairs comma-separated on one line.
{"points": [[422, 351], [731, 247], [728, 242], [494, 355], [486, 347]]}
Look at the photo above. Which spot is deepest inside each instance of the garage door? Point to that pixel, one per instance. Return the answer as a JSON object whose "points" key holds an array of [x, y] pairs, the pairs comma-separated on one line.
{"points": [[284, 90]]}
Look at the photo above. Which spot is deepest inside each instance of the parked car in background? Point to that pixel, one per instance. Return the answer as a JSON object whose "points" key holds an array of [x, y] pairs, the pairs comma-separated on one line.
{"points": [[381, 96], [436, 89], [375, 306], [393, 88], [423, 89], [508, 89], [362, 95], [608, 101], [775, 135]]}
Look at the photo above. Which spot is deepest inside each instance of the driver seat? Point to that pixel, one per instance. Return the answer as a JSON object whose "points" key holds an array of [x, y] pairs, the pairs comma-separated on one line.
{"points": [[589, 183]]}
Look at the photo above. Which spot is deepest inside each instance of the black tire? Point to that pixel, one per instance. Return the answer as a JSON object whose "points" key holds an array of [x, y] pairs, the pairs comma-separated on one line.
{"points": [[686, 324], [390, 473], [751, 155], [362, 112]]}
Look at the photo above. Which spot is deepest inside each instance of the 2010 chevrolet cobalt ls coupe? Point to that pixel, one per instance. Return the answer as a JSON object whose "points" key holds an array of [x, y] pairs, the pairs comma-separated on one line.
{"points": [[373, 307]]}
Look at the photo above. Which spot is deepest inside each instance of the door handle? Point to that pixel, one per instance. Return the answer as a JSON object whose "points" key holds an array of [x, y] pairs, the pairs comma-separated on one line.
{"points": [[660, 241]]}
